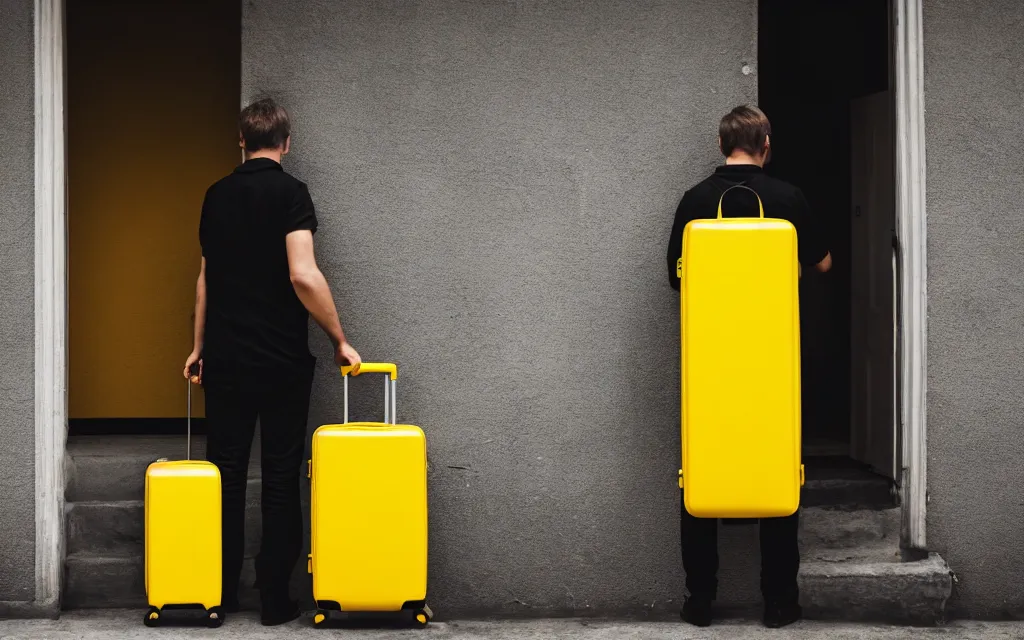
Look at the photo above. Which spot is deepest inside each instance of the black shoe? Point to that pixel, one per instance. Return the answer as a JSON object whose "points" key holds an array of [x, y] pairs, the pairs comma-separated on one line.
{"points": [[697, 611], [272, 615], [777, 616], [277, 607]]}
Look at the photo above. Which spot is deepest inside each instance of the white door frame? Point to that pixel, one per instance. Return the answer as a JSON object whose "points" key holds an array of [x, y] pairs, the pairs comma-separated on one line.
{"points": [[51, 399], [911, 230], [51, 308]]}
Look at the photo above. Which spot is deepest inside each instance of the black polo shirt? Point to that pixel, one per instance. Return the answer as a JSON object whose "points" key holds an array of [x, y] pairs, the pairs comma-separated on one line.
{"points": [[780, 200], [256, 327]]}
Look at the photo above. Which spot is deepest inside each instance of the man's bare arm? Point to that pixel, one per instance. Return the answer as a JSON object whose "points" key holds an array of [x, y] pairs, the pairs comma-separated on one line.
{"points": [[198, 332], [826, 263], [311, 287], [199, 326]]}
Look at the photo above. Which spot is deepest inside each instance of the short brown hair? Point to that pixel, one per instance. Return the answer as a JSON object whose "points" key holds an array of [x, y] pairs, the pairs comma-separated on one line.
{"points": [[264, 125], [744, 128]]}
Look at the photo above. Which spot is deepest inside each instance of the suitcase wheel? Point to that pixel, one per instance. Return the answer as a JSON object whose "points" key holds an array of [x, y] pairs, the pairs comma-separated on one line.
{"points": [[423, 616], [320, 618], [214, 617], [152, 617]]}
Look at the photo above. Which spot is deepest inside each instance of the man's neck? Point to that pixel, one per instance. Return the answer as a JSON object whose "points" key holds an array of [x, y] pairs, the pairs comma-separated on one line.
{"points": [[270, 154], [742, 157]]}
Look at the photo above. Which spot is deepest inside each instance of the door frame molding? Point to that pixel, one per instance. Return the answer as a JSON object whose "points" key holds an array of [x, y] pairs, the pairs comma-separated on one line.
{"points": [[911, 233], [51, 308]]}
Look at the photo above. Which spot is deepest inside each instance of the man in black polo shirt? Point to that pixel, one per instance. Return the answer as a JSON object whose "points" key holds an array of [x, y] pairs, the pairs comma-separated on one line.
{"points": [[745, 140], [258, 284]]}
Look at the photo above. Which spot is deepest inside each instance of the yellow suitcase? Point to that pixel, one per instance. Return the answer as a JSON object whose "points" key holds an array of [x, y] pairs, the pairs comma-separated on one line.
{"points": [[369, 513], [183, 536], [740, 323]]}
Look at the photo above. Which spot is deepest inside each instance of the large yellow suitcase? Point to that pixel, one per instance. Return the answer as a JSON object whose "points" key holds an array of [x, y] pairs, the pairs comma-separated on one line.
{"points": [[740, 323], [183, 536], [369, 513]]}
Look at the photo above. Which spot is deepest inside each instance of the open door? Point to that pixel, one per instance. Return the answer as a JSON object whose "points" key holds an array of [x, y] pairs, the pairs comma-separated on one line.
{"points": [[872, 326]]}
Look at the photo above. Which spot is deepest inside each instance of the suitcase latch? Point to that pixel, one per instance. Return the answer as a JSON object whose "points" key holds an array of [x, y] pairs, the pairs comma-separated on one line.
{"points": [[679, 268], [801, 475], [680, 478], [309, 563], [309, 468]]}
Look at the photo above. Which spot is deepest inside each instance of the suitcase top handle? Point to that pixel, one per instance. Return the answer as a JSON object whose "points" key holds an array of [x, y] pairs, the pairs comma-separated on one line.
{"points": [[760, 206], [372, 367], [390, 386]]}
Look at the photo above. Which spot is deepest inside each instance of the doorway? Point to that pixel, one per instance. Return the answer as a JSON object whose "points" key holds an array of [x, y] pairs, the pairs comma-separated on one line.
{"points": [[153, 95], [826, 83]]}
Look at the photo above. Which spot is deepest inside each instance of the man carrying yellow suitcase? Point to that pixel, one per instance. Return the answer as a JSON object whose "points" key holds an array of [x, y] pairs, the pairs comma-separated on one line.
{"points": [[258, 284], [745, 140]]}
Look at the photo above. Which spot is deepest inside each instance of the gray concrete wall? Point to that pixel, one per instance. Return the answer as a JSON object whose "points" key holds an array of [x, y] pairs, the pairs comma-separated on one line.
{"points": [[495, 182], [17, 320], [974, 132]]}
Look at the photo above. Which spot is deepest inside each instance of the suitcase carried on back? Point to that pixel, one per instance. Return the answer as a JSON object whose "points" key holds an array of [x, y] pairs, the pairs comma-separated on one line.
{"points": [[740, 324], [183, 535], [369, 513]]}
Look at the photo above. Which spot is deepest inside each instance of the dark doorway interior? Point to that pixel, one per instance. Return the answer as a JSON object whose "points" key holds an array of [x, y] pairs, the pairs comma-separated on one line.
{"points": [[153, 95], [816, 60]]}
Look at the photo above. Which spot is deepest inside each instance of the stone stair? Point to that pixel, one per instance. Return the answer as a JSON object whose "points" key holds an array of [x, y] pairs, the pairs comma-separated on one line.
{"points": [[851, 563], [852, 568], [104, 526]]}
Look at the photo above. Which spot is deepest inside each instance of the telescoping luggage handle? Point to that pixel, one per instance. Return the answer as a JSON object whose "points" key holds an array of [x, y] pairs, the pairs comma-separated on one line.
{"points": [[192, 374], [390, 372]]}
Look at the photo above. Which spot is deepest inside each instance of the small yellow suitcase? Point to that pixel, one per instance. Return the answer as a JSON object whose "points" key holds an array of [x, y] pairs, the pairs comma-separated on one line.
{"points": [[369, 513], [183, 536], [740, 323]]}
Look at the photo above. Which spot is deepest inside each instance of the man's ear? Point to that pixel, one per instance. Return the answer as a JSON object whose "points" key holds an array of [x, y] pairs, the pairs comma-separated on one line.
{"points": [[720, 145], [241, 140], [287, 145]]}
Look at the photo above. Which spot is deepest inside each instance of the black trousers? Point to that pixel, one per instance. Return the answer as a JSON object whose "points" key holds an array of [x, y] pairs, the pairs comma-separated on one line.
{"points": [[231, 413], [780, 557]]}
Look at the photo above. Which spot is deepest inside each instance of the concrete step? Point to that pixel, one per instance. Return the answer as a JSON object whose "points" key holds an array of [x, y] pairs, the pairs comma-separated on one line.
{"points": [[118, 528], [95, 582], [105, 528], [103, 582], [823, 528], [113, 468], [865, 590], [843, 484], [880, 552]]}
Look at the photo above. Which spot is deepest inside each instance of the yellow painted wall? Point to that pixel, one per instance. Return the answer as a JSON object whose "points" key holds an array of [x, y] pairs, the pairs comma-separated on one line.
{"points": [[153, 98]]}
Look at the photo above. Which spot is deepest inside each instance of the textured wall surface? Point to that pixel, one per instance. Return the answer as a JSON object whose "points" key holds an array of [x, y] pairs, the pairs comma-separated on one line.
{"points": [[17, 319], [974, 128], [496, 181]]}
